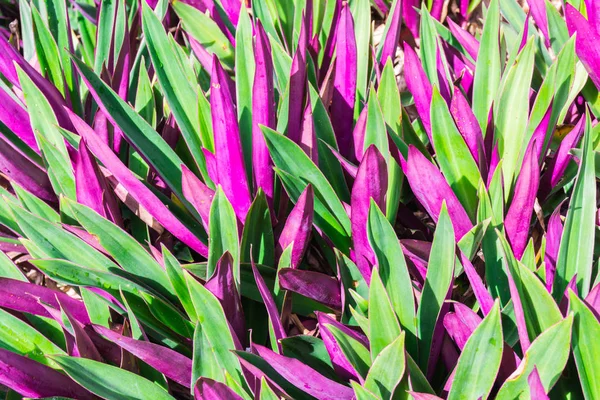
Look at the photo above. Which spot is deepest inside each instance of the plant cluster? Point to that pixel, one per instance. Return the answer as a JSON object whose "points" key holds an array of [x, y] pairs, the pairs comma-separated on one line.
{"points": [[202, 200]]}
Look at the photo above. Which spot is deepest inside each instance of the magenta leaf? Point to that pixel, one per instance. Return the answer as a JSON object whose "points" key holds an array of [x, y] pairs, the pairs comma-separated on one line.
{"points": [[298, 227], [371, 183], [320, 287], [228, 146]]}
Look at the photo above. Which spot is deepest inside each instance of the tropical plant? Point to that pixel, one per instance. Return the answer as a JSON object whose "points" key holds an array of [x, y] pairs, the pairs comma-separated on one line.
{"points": [[202, 200]]}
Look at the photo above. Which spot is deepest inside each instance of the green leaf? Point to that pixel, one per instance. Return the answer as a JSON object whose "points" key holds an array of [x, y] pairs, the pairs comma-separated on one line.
{"points": [[244, 80], [394, 272], [482, 353], [453, 155], [124, 249], [549, 364], [376, 132], [223, 234], [488, 66], [330, 215], [381, 379], [47, 52], [54, 242], [151, 310], [586, 347], [266, 393], [97, 307], [8, 269], [311, 351], [105, 30], [51, 142], [17, 336], [541, 312], [144, 98], [35, 205], [206, 31], [362, 393], [144, 138], [110, 382], [511, 127], [389, 98], [177, 278], [383, 323], [576, 252], [353, 350], [179, 92], [440, 271], [257, 237], [216, 335]]}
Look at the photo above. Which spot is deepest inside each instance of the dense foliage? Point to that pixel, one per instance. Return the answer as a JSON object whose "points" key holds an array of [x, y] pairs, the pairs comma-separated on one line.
{"points": [[309, 199]]}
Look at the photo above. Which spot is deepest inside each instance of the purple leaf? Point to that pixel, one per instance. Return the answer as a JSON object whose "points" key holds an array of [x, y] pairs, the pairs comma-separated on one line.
{"points": [[308, 136], [382, 6], [418, 84], [424, 396], [298, 227], [207, 389], [168, 362], [86, 237], [101, 126], [330, 44], [228, 147], [135, 188], [200, 52], [350, 168], [320, 287], [593, 300], [222, 286], [27, 174], [466, 40], [359, 132], [430, 188], [390, 42], [518, 217], [35, 380], [17, 120], [211, 166], [441, 65], [344, 85], [467, 125], [263, 112], [92, 189], [304, 377], [558, 165], [537, 8], [342, 366], [9, 57], [197, 193], [553, 236], [83, 344], [536, 389], [298, 83], [270, 306], [461, 323], [593, 12], [539, 134], [587, 42], [26, 297], [411, 15], [481, 293], [371, 183], [232, 9]]}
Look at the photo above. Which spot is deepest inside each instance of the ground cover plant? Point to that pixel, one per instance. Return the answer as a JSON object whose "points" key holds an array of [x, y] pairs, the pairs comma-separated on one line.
{"points": [[308, 199]]}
